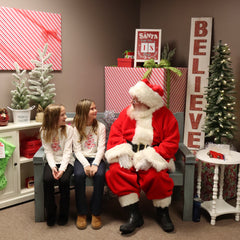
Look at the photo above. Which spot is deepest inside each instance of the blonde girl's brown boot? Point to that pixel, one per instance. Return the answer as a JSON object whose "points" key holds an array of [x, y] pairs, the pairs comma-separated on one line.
{"points": [[81, 222], [96, 222]]}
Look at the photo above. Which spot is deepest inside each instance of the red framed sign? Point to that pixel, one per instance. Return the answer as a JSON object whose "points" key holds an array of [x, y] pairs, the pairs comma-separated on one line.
{"points": [[147, 45]]}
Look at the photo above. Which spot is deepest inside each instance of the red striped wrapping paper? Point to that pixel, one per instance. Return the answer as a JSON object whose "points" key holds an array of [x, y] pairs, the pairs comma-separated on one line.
{"points": [[118, 80], [23, 32]]}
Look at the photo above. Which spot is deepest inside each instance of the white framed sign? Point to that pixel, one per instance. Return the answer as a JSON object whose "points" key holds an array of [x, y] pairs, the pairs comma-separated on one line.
{"points": [[198, 72], [147, 45]]}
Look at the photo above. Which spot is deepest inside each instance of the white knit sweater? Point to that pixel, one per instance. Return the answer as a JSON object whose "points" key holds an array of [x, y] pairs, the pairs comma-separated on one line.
{"points": [[93, 146], [59, 151]]}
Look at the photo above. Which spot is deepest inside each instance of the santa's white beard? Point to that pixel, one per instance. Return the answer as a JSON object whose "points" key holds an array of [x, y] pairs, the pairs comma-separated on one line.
{"points": [[139, 112]]}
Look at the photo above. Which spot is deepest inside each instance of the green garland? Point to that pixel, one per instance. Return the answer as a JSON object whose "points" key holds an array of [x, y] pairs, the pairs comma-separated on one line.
{"points": [[164, 63]]}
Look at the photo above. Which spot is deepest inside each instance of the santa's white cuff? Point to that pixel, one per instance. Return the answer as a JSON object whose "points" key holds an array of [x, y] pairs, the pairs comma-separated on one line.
{"points": [[171, 165], [157, 161], [121, 149], [128, 199]]}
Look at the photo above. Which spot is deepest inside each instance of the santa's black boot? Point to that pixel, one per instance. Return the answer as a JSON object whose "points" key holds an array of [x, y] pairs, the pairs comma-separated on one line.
{"points": [[135, 219], [164, 219]]}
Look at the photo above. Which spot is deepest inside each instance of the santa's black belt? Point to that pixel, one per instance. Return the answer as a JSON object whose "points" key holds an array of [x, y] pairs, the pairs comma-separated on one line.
{"points": [[138, 147]]}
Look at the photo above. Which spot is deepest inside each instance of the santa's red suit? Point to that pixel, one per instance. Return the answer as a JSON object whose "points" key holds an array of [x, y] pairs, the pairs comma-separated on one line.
{"points": [[150, 140]]}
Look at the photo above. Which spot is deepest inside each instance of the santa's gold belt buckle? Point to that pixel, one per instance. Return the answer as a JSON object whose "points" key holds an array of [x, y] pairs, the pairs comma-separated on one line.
{"points": [[141, 146]]}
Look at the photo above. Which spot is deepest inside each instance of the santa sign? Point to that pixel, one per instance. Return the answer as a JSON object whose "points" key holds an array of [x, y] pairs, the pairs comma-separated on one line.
{"points": [[147, 45], [199, 57]]}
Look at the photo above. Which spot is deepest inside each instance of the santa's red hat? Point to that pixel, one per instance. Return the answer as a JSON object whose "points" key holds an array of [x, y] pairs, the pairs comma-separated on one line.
{"points": [[149, 94]]}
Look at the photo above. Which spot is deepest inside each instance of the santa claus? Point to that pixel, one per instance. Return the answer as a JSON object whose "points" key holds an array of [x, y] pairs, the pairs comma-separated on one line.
{"points": [[140, 150]]}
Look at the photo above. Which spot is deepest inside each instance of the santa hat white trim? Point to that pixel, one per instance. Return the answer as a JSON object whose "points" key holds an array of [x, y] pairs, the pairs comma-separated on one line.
{"points": [[121, 149], [128, 199], [147, 94]]}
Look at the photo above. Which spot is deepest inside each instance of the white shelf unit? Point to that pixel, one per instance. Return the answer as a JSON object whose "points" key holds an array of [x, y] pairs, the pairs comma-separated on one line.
{"points": [[18, 167]]}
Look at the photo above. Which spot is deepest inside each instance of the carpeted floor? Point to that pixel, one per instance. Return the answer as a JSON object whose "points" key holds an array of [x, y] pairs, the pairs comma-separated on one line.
{"points": [[18, 223]]}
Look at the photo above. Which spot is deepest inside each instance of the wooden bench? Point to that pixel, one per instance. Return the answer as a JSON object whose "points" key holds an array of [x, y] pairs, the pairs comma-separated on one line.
{"points": [[183, 176]]}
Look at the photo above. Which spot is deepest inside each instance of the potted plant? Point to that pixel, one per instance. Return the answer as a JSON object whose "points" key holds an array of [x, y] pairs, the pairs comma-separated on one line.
{"points": [[20, 97], [42, 92], [128, 54]]}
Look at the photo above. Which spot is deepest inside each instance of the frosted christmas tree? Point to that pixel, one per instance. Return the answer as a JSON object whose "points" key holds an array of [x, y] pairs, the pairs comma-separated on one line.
{"points": [[41, 90], [219, 123], [20, 96]]}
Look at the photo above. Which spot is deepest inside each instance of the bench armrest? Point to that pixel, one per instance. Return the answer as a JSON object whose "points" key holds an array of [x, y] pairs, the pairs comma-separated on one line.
{"points": [[186, 159], [39, 156], [38, 165], [187, 154]]}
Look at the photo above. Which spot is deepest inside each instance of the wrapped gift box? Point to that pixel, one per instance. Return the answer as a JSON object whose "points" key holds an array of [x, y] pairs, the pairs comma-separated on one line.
{"points": [[118, 80], [125, 62]]}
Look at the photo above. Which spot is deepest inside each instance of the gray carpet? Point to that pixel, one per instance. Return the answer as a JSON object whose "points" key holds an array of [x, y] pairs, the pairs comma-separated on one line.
{"points": [[18, 223]]}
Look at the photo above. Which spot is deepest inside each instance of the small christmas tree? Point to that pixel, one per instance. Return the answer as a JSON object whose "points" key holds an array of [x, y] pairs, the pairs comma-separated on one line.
{"points": [[20, 96], [219, 124], [42, 92]]}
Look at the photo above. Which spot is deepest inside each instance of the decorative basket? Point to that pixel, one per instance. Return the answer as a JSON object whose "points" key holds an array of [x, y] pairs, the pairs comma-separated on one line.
{"points": [[21, 116]]}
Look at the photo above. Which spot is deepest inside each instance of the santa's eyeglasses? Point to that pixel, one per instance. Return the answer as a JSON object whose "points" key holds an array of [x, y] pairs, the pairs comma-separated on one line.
{"points": [[135, 101]]}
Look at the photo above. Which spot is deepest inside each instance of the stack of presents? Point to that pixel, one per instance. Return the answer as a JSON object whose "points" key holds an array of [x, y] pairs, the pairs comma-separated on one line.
{"points": [[29, 147]]}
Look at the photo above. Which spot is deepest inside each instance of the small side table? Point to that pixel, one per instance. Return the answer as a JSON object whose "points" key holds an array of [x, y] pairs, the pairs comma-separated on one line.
{"points": [[218, 206]]}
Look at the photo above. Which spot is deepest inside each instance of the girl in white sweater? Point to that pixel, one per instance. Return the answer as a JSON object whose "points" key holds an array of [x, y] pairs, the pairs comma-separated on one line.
{"points": [[56, 138], [89, 146]]}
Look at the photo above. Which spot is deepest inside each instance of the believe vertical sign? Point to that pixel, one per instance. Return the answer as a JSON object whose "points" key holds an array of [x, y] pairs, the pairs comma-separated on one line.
{"points": [[198, 65]]}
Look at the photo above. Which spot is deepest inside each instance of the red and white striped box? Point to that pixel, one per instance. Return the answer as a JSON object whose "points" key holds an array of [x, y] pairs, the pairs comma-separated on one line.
{"points": [[23, 32], [118, 80]]}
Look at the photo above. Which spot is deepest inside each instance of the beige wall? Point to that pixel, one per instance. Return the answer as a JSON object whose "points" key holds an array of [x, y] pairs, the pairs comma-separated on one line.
{"points": [[94, 34], [174, 18]]}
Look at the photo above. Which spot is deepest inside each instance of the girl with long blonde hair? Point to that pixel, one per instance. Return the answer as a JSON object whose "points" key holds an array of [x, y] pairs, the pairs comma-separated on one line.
{"points": [[89, 146], [56, 138]]}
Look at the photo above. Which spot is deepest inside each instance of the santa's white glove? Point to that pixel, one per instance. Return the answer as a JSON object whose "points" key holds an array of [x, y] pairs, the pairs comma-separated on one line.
{"points": [[142, 164], [125, 161]]}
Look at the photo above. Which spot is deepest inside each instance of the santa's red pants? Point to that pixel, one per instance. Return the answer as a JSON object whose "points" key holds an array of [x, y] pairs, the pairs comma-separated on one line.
{"points": [[156, 185]]}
